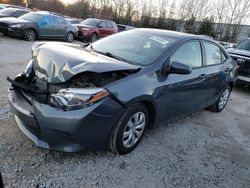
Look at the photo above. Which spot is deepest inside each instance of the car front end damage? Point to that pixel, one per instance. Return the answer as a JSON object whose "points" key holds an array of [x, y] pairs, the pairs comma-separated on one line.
{"points": [[65, 106]]}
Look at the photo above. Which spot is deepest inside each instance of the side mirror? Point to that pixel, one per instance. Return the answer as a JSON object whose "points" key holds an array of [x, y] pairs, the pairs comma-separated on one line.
{"points": [[177, 68]]}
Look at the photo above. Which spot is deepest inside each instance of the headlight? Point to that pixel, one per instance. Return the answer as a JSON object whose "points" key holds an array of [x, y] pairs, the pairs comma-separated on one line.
{"points": [[28, 70], [17, 26], [74, 98]]}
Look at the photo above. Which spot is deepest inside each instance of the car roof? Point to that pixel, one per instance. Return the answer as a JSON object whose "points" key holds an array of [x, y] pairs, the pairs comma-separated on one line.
{"points": [[173, 34], [49, 13], [14, 8], [99, 19]]}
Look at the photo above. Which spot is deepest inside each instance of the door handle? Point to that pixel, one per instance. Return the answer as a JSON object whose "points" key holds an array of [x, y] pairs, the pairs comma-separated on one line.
{"points": [[202, 76], [227, 69]]}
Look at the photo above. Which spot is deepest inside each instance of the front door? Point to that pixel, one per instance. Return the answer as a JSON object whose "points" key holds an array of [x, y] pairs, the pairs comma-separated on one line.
{"points": [[182, 94], [46, 26]]}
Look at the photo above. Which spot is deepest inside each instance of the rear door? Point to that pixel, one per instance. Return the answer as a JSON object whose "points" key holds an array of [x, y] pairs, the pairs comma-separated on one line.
{"points": [[217, 66], [182, 94], [102, 29], [60, 27], [110, 28]]}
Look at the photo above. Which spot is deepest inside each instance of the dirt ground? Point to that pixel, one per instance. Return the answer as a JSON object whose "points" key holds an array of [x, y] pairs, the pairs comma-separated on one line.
{"points": [[204, 149]]}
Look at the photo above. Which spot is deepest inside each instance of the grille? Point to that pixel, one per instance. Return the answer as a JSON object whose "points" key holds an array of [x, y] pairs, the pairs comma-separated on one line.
{"points": [[244, 67], [4, 27]]}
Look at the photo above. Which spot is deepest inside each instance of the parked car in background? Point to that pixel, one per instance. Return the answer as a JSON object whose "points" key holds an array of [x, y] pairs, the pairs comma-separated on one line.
{"points": [[227, 44], [2, 6], [241, 54], [74, 20], [92, 29], [41, 25], [13, 12], [124, 27], [105, 96]]}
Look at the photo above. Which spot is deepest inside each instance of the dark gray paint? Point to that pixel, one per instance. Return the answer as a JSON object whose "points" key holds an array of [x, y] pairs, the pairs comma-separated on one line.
{"points": [[169, 95]]}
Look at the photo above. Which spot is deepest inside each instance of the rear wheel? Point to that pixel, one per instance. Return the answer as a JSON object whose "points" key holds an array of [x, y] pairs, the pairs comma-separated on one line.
{"points": [[69, 37], [129, 130], [30, 35], [222, 101]]}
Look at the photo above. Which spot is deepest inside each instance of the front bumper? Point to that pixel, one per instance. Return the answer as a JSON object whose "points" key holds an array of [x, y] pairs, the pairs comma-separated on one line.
{"points": [[68, 131], [243, 79], [15, 32]]}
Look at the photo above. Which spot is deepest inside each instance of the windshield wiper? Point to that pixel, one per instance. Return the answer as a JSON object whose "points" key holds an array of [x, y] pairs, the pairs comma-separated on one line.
{"points": [[110, 55]]}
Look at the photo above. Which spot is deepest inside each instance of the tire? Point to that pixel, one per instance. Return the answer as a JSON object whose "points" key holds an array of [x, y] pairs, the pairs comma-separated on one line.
{"points": [[69, 37], [30, 35], [93, 37], [128, 132], [221, 103]]}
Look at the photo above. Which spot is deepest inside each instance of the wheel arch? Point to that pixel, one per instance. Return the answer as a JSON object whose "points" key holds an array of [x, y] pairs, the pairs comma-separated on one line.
{"points": [[151, 106], [231, 84], [32, 28]]}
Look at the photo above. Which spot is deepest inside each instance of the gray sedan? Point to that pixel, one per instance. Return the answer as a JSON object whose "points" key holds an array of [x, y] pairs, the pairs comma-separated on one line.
{"points": [[71, 98]]}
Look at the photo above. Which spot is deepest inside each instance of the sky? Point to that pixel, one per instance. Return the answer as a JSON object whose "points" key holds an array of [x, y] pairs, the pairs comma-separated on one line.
{"points": [[68, 1]]}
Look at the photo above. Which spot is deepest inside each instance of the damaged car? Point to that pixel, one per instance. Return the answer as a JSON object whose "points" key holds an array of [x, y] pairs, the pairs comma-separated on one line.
{"points": [[72, 98]]}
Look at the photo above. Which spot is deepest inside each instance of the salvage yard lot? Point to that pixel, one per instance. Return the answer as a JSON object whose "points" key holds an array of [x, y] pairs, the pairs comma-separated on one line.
{"points": [[204, 149]]}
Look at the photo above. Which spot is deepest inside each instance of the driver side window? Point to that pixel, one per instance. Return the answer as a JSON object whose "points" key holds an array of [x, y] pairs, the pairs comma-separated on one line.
{"points": [[189, 53]]}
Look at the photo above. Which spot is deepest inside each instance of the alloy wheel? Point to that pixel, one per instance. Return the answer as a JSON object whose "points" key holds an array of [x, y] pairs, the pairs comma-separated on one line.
{"points": [[223, 99], [134, 129], [70, 37], [31, 35]]}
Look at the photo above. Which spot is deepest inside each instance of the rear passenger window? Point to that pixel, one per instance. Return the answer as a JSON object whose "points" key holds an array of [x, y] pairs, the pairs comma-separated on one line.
{"points": [[102, 25], [213, 54], [109, 25], [59, 21], [19, 13], [189, 53]]}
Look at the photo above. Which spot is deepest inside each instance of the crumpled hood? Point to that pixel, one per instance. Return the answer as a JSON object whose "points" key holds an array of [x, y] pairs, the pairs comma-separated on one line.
{"points": [[58, 62], [238, 52]]}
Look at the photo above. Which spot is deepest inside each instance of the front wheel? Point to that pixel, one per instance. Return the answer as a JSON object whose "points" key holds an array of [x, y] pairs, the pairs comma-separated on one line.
{"points": [[29, 35], [93, 37], [129, 130], [221, 103]]}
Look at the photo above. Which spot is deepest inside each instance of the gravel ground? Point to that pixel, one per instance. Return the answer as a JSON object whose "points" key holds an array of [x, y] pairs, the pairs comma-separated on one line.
{"points": [[204, 149]]}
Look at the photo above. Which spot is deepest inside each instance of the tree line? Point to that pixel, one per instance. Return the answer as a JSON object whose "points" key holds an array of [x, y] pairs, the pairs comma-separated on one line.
{"points": [[192, 16]]}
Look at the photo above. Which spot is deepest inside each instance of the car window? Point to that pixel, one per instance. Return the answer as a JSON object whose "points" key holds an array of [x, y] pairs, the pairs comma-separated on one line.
{"points": [[59, 21], [213, 54], [102, 25], [136, 47], [189, 53], [109, 25], [32, 16], [20, 13], [245, 45], [46, 19]]}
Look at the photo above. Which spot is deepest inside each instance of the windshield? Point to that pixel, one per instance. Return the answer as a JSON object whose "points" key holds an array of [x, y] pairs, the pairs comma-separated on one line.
{"points": [[245, 45], [134, 46], [32, 17], [91, 22], [8, 11]]}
